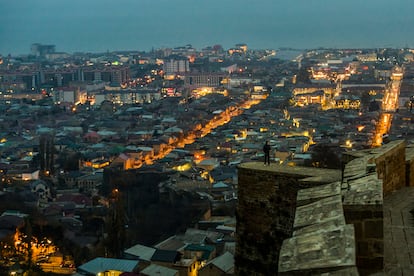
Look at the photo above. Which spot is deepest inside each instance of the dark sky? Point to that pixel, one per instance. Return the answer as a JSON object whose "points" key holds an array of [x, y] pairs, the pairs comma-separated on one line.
{"points": [[100, 25]]}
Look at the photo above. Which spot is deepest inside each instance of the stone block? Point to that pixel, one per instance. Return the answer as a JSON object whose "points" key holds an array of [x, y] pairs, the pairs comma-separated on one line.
{"points": [[373, 229], [363, 249], [373, 264], [396, 219], [377, 248], [358, 229]]}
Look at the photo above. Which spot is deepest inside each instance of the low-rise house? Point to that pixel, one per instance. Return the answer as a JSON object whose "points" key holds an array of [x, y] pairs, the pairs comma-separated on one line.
{"points": [[139, 136], [73, 130], [78, 200], [70, 178], [92, 137], [222, 265], [202, 252], [30, 174], [298, 144], [102, 266], [89, 182], [172, 243], [173, 259], [108, 134], [158, 270], [198, 236], [140, 252], [251, 148]]}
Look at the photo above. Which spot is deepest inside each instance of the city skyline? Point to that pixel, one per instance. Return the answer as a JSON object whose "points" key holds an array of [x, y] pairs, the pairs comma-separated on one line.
{"points": [[97, 26], [147, 159]]}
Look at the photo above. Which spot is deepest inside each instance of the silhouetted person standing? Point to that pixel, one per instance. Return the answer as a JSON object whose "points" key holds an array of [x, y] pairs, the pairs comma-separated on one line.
{"points": [[266, 150]]}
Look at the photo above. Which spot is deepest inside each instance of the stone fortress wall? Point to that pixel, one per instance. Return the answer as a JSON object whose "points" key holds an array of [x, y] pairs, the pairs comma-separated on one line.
{"points": [[302, 221]]}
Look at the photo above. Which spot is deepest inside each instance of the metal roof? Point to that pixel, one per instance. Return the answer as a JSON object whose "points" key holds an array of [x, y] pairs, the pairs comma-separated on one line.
{"points": [[104, 264]]}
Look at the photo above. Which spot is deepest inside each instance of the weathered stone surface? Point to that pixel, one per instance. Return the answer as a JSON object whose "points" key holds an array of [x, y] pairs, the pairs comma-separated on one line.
{"points": [[362, 190], [390, 160], [333, 248], [309, 195], [357, 167], [267, 208], [374, 229], [369, 235], [409, 161], [323, 176], [321, 211], [330, 224]]}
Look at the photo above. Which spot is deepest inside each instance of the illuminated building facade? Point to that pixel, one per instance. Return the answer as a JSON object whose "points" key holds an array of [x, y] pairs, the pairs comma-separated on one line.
{"points": [[347, 102], [69, 95], [306, 89], [313, 94], [126, 96], [34, 78], [317, 97], [240, 48], [369, 57]]}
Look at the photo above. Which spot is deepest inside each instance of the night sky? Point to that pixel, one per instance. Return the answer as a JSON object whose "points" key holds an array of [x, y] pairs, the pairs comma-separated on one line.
{"points": [[101, 25]]}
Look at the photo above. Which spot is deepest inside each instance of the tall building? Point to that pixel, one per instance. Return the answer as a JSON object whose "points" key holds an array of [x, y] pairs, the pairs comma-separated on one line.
{"points": [[40, 50], [196, 80], [112, 74], [176, 65]]}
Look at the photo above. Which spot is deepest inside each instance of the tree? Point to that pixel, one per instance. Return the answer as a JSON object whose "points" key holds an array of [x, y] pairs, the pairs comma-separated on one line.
{"points": [[303, 76], [325, 156], [365, 99], [116, 225], [374, 106], [27, 239]]}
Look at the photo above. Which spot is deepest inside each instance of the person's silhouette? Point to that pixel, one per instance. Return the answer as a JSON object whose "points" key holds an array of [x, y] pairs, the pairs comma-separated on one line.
{"points": [[266, 150]]}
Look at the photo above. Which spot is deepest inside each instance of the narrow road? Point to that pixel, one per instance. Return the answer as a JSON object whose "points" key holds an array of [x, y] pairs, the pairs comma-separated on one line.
{"points": [[389, 106]]}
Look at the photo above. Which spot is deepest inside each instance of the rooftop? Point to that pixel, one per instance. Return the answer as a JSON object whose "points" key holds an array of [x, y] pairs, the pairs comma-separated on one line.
{"points": [[103, 264], [143, 252], [155, 269], [224, 262]]}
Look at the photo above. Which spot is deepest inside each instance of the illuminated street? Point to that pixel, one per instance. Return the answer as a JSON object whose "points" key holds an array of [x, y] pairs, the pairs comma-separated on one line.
{"points": [[389, 105], [382, 128], [201, 131]]}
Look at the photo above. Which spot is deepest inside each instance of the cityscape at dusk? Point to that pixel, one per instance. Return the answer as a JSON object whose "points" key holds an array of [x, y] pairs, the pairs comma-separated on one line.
{"points": [[218, 138]]}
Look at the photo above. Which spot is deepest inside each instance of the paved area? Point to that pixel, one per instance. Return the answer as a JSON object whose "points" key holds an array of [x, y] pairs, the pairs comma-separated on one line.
{"points": [[399, 233]]}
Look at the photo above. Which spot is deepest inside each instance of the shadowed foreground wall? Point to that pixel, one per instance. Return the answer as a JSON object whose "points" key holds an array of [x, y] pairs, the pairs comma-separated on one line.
{"points": [[265, 214], [264, 219]]}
